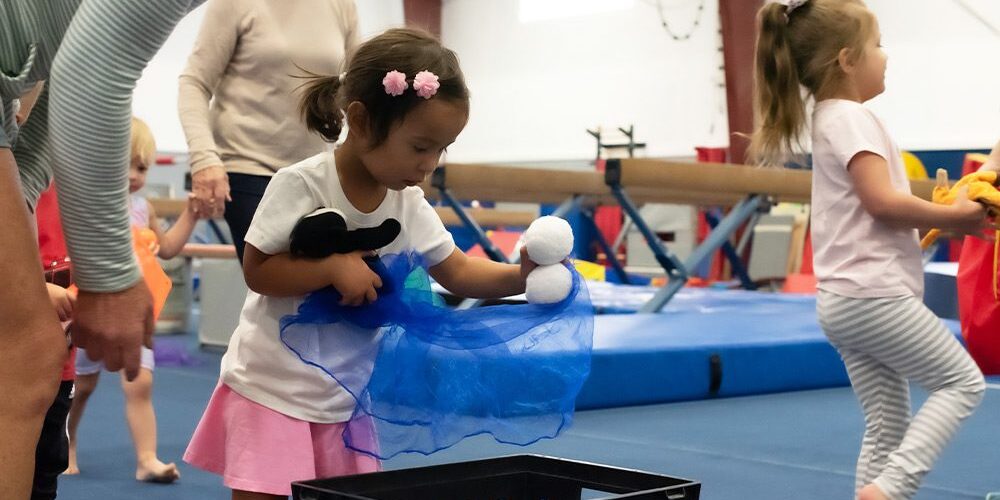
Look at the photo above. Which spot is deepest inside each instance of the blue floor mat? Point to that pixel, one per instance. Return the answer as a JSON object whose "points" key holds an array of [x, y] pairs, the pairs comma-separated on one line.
{"points": [[790, 445]]}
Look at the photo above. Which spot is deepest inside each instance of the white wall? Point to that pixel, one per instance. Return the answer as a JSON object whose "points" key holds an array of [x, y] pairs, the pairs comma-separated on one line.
{"points": [[537, 86], [943, 76], [155, 99]]}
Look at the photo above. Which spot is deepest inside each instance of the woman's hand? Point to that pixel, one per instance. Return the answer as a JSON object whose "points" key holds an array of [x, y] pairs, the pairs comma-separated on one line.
{"points": [[211, 191]]}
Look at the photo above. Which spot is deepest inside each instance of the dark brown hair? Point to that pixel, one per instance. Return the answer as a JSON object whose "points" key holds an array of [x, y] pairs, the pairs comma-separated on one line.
{"points": [[406, 50], [797, 50]]}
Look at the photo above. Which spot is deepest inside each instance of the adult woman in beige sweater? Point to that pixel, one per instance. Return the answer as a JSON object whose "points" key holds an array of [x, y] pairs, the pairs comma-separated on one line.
{"points": [[245, 62]]}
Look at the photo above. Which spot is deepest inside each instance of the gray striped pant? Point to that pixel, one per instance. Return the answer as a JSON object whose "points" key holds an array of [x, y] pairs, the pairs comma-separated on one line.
{"points": [[885, 343]]}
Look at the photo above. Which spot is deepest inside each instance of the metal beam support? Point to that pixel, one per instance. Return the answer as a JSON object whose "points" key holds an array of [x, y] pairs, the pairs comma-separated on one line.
{"points": [[720, 235]]}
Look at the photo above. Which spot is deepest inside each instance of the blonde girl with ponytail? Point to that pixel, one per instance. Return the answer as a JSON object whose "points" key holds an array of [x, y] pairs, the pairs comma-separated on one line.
{"points": [[864, 224]]}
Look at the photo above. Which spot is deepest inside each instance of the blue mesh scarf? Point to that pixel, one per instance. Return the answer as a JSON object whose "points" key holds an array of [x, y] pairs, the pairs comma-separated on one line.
{"points": [[429, 376]]}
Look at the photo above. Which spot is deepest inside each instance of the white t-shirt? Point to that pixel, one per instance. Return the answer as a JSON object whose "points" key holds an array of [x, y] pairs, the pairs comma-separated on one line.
{"points": [[257, 364], [855, 255]]}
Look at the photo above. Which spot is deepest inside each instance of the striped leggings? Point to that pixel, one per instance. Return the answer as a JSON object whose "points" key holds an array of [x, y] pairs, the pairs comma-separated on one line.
{"points": [[885, 343]]}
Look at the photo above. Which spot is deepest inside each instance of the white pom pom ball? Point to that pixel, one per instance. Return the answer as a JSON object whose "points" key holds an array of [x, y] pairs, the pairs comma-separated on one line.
{"points": [[548, 284], [549, 240]]}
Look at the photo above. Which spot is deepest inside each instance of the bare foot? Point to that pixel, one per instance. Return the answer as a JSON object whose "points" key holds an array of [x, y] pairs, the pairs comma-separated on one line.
{"points": [[72, 468], [871, 492], [156, 471]]}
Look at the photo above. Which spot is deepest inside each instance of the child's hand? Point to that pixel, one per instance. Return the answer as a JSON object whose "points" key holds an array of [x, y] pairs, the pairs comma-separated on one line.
{"points": [[352, 277], [527, 265], [210, 186], [62, 301], [192, 208], [991, 165], [969, 216]]}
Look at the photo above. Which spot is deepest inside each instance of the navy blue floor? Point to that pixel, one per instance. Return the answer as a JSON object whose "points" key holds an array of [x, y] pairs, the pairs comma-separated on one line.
{"points": [[790, 445], [785, 445]]}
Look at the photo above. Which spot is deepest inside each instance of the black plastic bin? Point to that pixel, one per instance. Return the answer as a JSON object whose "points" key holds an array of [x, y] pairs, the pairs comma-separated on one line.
{"points": [[517, 477]]}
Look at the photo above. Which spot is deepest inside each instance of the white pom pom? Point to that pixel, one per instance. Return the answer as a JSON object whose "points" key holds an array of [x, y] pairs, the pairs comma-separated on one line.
{"points": [[549, 240], [549, 284]]}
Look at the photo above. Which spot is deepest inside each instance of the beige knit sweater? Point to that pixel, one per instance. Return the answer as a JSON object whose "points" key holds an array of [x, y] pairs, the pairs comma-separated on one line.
{"points": [[238, 101]]}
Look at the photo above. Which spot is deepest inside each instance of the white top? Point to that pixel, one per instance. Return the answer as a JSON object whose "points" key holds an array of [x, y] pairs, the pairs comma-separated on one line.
{"points": [[257, 364], [138, 211], [244, 61], [855, 255]]}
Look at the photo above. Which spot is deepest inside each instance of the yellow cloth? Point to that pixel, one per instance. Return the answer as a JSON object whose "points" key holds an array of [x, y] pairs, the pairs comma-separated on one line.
{"points": [[981, 189]]}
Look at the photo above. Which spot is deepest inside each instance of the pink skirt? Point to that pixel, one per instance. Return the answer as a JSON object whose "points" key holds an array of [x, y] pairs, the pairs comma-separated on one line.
{"points": [[257, 449]]}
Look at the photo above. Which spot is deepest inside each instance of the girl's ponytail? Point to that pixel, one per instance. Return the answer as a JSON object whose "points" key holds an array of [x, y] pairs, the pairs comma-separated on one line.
{"points": [[319, 106], [779, 107]]}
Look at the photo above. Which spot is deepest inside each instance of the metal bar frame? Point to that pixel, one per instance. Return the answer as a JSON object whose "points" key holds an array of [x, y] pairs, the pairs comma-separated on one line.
{"points": [[736, 217], [677, 271], [491, 250], [609, 250], [739, 268]]}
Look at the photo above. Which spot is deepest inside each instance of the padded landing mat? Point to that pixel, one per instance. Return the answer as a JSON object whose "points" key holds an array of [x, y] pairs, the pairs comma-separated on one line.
{"points": [[707, 343]]}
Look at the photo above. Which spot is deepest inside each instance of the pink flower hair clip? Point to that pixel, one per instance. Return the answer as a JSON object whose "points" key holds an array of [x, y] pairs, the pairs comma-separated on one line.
{"points": [[426, 84], [395, 83]]}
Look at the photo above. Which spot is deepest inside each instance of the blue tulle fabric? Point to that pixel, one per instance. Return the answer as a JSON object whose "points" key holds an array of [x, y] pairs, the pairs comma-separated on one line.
{"points": [[427, 376]]}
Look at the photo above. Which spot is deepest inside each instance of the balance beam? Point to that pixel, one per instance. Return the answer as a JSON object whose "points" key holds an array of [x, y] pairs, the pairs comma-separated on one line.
{"points": [[541, 185], [659, 181], [780, 183], [173, 207]]}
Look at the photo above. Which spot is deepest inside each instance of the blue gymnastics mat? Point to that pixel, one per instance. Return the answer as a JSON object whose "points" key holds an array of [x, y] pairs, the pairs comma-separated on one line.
{"points": [[706, 343]]}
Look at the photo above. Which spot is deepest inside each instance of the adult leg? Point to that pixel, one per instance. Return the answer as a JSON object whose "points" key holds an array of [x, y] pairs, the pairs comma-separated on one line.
{"points": [[246, 192], [32, 345]]}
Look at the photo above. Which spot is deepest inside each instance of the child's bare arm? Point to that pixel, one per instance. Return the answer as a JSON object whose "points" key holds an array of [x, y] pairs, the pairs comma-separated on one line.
{"points": [[870, 173], [481, 278], [173, 240], [282, 275]]}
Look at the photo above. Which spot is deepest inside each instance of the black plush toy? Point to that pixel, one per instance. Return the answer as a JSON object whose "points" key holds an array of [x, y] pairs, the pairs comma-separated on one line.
{"points": [[324, 232]]}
